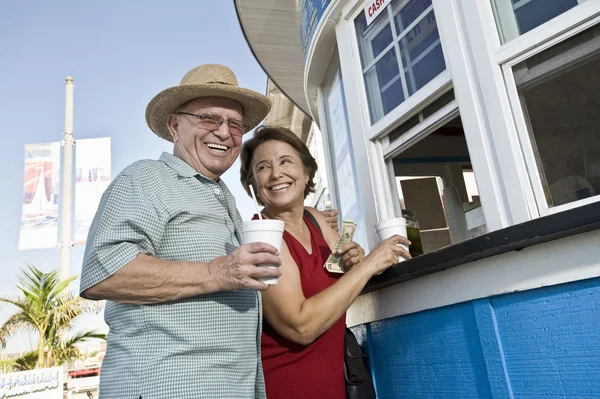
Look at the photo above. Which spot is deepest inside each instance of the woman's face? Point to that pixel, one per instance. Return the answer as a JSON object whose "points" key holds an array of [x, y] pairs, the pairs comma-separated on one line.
{"points": [[280, 175]]}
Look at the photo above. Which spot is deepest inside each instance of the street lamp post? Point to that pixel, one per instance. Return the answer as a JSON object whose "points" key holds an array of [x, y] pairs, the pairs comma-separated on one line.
{"points": [[66, 192]]}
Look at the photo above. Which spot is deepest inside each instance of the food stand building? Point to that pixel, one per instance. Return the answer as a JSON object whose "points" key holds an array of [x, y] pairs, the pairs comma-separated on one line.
{"points": [[482, 118]]}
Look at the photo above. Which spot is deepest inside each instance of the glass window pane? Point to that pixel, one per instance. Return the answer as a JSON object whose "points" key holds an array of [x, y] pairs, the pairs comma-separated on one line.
{"points": [[374, 40], [390, 81], [409, 14], [535, 12], [422, 54], [384, 86], [516, 17], [560, 96]]}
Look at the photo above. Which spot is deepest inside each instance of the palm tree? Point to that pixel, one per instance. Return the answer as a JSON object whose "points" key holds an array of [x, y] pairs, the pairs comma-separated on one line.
{"points": [[46, 307]]}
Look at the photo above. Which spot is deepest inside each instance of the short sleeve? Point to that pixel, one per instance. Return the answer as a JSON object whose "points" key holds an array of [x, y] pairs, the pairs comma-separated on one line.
{"points": [[130, 221]]}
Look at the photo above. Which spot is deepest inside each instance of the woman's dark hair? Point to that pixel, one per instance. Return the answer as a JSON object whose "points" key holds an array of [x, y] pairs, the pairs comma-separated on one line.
{"points": [[264, 134]]}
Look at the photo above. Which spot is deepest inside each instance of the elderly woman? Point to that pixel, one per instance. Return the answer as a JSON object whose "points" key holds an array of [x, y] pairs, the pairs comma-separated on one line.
{"points": [[303, 330]]}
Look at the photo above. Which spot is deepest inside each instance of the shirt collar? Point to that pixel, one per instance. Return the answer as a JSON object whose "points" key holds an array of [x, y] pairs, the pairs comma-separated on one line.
{"points": [[180, 167]]}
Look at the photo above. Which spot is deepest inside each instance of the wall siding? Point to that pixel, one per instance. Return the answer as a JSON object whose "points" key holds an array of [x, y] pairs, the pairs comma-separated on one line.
{"points": [[542, 343]]}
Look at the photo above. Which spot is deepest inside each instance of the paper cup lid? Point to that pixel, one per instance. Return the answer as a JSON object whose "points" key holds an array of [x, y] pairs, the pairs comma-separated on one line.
{"points": [[390, 223], [262, 225]]}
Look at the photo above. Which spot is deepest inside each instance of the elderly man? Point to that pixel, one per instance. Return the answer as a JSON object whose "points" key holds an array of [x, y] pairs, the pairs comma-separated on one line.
{"points": [[165, 251]]}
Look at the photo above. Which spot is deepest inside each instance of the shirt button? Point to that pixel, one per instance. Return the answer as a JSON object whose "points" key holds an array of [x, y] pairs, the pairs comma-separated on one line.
{"points": [[217, 191]]}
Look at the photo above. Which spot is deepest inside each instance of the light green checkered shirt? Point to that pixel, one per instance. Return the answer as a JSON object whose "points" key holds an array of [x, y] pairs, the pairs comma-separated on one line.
{"points": [[202, 347]]}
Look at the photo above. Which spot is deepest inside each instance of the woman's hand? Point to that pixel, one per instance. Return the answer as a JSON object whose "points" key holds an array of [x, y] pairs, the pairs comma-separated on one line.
{"points": [[352, 254], [386, 253]]}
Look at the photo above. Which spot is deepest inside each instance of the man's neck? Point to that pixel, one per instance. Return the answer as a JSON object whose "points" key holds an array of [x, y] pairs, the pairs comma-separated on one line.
{"points": [[193, 162]]}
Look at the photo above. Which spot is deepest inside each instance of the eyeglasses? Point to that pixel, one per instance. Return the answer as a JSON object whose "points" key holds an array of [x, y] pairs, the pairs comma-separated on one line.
{"points": [[213, 122]]}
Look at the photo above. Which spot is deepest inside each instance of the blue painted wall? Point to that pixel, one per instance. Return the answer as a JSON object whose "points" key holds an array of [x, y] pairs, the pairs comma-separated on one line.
{"points": [[543, 343]]}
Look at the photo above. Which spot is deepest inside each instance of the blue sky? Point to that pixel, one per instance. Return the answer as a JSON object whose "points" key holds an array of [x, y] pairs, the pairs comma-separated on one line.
{"points": [[120, 54]]}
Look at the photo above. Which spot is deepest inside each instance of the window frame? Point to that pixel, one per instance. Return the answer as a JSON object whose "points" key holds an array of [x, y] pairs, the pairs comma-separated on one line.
{"points": [[543, 38], [410, 104], [502, 156], [382, 178]]}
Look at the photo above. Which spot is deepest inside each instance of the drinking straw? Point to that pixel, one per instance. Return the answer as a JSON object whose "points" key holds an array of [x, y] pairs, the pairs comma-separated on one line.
{"points": [[255, 202]]}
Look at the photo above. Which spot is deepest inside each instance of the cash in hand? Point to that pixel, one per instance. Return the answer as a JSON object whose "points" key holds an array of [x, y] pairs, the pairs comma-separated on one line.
{"points": [[333, 262]]}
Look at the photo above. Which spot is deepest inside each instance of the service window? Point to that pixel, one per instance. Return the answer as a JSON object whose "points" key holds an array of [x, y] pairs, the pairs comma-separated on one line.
{"points": [[559, 92], [400, 52], [435, 180]]}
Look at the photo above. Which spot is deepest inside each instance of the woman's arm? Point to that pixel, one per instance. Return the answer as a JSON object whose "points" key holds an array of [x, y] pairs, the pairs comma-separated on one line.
{"points": [[303, 320]]}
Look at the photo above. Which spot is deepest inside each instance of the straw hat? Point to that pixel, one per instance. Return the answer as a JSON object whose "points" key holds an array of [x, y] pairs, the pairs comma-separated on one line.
{"points": [[205, 81]]}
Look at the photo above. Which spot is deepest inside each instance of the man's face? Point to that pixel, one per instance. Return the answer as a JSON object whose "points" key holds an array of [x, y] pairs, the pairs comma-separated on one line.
{"points": [[209, 151]]}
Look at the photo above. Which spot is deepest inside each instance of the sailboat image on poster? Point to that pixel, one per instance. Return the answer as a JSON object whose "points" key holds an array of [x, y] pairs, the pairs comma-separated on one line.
{"points": [[39, 221]]}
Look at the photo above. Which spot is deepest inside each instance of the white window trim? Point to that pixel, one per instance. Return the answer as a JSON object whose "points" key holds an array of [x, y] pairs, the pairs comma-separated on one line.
{"points": [[548, 34], [353, 8], [505, 20], [388, 204], [422, 130], [523, 131], [415, 103], [507, 160], [511, 197], [372, 31], [327, 145], [534, 42], [454, 23], [381, 170], [358, 118]]}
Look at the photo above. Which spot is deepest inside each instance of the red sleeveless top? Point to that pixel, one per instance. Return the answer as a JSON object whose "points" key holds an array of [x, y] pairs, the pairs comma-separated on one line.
{"points": [[294, 371]]}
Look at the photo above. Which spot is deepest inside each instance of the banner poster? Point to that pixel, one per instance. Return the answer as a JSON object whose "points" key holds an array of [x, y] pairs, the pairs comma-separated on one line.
{"points": [[309, 14], [92, 177], [39, 220], [33, 384]]}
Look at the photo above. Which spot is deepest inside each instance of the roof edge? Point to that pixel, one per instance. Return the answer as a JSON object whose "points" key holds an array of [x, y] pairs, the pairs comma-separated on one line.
{"points": [[237, 14]]}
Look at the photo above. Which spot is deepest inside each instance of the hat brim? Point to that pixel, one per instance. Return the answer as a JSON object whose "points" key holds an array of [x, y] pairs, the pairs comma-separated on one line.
{"points": [[255, 105]]}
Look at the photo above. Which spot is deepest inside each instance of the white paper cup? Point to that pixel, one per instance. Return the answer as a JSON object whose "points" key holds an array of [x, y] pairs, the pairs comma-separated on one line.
{"points": [[387, 228], [266, 230]]}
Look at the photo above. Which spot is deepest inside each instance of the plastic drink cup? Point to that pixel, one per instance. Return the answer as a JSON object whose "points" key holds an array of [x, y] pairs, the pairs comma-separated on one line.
{"points": [[387, 228], [266, 230]]}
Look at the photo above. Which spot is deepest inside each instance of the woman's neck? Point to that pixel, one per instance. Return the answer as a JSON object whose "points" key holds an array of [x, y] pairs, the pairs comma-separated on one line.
{"points": [[293, 218]]}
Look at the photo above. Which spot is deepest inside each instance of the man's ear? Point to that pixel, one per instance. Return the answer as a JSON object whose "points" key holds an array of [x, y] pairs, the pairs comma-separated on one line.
{"points": [[173, 126]]}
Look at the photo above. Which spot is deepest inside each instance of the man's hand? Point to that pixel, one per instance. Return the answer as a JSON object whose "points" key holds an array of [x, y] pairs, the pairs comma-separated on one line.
{"points": [[239, 269], [331, 218]]}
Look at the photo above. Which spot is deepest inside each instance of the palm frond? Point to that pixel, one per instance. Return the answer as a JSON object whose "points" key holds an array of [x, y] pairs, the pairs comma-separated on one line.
{"points": [[26, 362], [63, 285], [68, 351], [69, 308], [46, 306], [15, 301], [15, 323], [82, 336]]}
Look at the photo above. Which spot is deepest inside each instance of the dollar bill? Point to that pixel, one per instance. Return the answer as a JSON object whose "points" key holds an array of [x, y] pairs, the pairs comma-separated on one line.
{"points": [[333, 262]]}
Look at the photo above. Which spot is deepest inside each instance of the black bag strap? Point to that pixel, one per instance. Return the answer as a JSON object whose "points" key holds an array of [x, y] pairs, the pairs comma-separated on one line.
{"points": [[358, 381], [312, 219], [354, 369]]}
